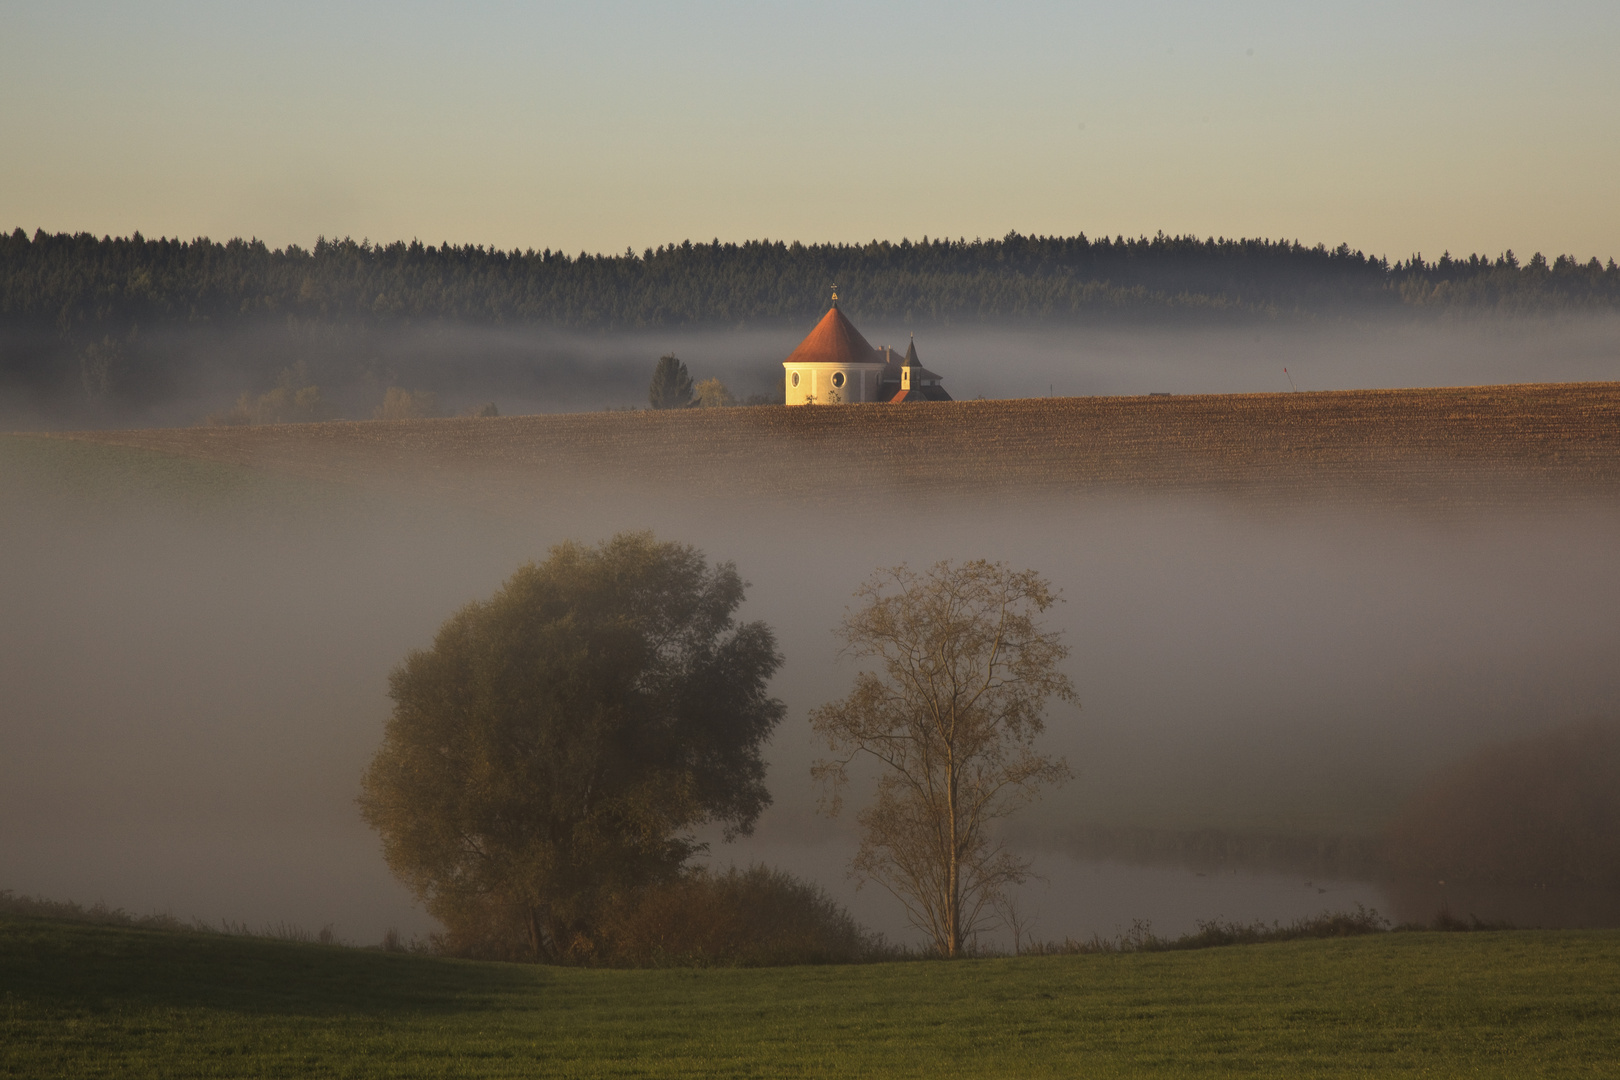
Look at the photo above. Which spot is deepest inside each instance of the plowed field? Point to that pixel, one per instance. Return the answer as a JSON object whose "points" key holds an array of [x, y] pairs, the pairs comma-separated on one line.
{"points": [[1469, 445]]}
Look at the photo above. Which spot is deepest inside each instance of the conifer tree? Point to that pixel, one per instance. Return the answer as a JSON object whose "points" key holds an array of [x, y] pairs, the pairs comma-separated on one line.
{"points": [[671, 384]]}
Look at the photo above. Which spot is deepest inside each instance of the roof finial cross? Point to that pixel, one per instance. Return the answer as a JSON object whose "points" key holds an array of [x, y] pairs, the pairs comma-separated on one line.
{"points": [[835, 296]]}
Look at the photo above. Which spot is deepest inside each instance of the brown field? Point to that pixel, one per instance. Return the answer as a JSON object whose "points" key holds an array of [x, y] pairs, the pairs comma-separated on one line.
{"points": [[1461, 446]]}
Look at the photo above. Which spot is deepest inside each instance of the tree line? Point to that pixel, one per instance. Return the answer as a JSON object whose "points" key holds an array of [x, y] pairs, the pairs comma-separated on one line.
{"points": [[84, 286]]}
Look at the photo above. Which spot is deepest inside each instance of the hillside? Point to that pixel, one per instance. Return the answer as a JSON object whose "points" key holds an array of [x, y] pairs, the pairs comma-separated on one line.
{"points": [[1460, 446], [80, 1000]]}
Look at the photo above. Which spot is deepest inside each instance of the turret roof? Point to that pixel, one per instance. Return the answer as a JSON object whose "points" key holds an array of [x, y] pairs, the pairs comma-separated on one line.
{"points": [[919, 373]]}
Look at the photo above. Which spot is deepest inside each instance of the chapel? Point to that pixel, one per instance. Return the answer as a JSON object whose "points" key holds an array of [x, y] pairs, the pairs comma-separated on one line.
{"points": [[835, 365]]}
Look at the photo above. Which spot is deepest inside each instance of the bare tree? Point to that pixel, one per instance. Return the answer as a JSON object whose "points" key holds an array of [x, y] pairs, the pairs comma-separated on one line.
{"points": [[965, 671]]}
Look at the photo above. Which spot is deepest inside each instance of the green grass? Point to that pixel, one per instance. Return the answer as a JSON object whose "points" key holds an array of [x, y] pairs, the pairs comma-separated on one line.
{"points": [[87, 1001]]}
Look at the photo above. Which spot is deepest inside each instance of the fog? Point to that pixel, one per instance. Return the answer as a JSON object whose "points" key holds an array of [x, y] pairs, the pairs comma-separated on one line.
{"points": [[181, 376], [193, 686]]}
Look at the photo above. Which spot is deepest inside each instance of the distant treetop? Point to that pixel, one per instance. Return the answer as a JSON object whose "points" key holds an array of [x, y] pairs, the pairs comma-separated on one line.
{"points": [[75, 283]]}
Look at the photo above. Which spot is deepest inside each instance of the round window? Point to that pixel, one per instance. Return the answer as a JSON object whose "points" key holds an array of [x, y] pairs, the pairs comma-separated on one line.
{"points": [[838, 378], [795, 378]]}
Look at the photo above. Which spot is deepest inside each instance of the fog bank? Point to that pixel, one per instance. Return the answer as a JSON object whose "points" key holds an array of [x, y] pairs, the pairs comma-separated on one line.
{"points": [[194, 666], [181, 377]]}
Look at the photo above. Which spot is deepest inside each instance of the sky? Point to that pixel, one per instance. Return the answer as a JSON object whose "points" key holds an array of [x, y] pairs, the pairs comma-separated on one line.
{"points": [[1397, 127]]}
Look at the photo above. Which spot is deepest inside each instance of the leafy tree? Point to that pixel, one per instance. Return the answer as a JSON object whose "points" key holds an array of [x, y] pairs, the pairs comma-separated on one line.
{"points": [[295, 399], [951, 716], [401, 404], [560, 741], [712, 394], [671, 385]]}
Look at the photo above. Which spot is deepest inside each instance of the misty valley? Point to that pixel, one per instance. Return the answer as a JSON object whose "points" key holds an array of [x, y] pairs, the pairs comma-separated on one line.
{"points": [[196, 657]]}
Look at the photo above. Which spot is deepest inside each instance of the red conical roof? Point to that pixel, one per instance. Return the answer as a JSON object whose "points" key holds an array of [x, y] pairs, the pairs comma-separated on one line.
{"points": [[834, 341]]}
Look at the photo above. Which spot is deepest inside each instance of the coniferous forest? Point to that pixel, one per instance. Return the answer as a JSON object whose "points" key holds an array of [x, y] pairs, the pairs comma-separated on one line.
{"points": [[92, 316]]}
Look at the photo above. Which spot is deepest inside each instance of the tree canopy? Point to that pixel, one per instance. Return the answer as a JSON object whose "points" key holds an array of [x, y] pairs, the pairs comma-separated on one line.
{"points": [[559, 742], [950, 717]]}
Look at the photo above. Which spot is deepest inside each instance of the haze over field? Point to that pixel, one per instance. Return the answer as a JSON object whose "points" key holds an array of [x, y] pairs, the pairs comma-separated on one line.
{"points": [[534, 371], [195, 659]]}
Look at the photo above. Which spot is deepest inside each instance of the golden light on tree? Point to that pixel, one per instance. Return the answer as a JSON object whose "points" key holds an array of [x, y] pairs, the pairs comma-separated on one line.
{"points": [[951, 716]]}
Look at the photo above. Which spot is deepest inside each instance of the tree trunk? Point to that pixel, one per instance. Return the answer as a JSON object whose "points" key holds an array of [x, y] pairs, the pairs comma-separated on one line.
{"points": [[953, 882], [536, 941]]}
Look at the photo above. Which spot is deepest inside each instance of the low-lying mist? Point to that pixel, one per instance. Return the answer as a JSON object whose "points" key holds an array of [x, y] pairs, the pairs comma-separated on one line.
{"points": [[176, 377], [194, 664]]}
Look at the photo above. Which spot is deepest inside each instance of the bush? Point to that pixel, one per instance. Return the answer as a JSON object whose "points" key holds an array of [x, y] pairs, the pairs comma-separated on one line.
{"points": [[1538, 811], [754, 917], [294, 400], [484, 930], [1216, 933], [712, 394], [746, 918], [401, 404], [38, 907]]}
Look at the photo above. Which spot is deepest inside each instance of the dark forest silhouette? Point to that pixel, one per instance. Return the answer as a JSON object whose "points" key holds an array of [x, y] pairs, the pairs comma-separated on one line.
{"points": [[71, 282]]}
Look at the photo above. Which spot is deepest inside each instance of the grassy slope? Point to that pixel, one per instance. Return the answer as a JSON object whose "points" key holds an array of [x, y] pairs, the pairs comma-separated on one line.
{"points": [[88, 1001]]}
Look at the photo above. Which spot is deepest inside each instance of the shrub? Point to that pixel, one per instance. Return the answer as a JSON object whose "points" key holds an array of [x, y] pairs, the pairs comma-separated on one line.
{"points": [[712, 394], [401, 404], [1215, 933], [293, 400], [746, 918], [486, 929], [38, 907], [754, 917]]}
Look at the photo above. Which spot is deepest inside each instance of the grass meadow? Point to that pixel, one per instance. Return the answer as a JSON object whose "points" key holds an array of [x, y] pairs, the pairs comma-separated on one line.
{"points": [[80, 1000]]}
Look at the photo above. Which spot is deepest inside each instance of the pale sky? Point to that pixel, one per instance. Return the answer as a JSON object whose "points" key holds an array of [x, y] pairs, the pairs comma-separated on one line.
{"points": [[1397, 127]]}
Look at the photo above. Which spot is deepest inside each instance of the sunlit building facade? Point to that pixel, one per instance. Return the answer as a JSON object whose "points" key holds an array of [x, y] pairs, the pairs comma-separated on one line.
{"points": [[835, 365]]}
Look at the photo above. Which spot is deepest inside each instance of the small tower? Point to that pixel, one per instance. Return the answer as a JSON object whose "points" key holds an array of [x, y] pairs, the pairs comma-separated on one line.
{"points": [[910, 381]]}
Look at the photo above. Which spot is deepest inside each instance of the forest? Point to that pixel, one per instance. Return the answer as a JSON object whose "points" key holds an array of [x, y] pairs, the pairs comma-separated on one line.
{"points": [[77, 282], [74, 307]]}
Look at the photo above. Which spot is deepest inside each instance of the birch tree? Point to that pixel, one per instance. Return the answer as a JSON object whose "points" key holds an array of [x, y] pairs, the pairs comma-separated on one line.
{"points": [[951, 715]]}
